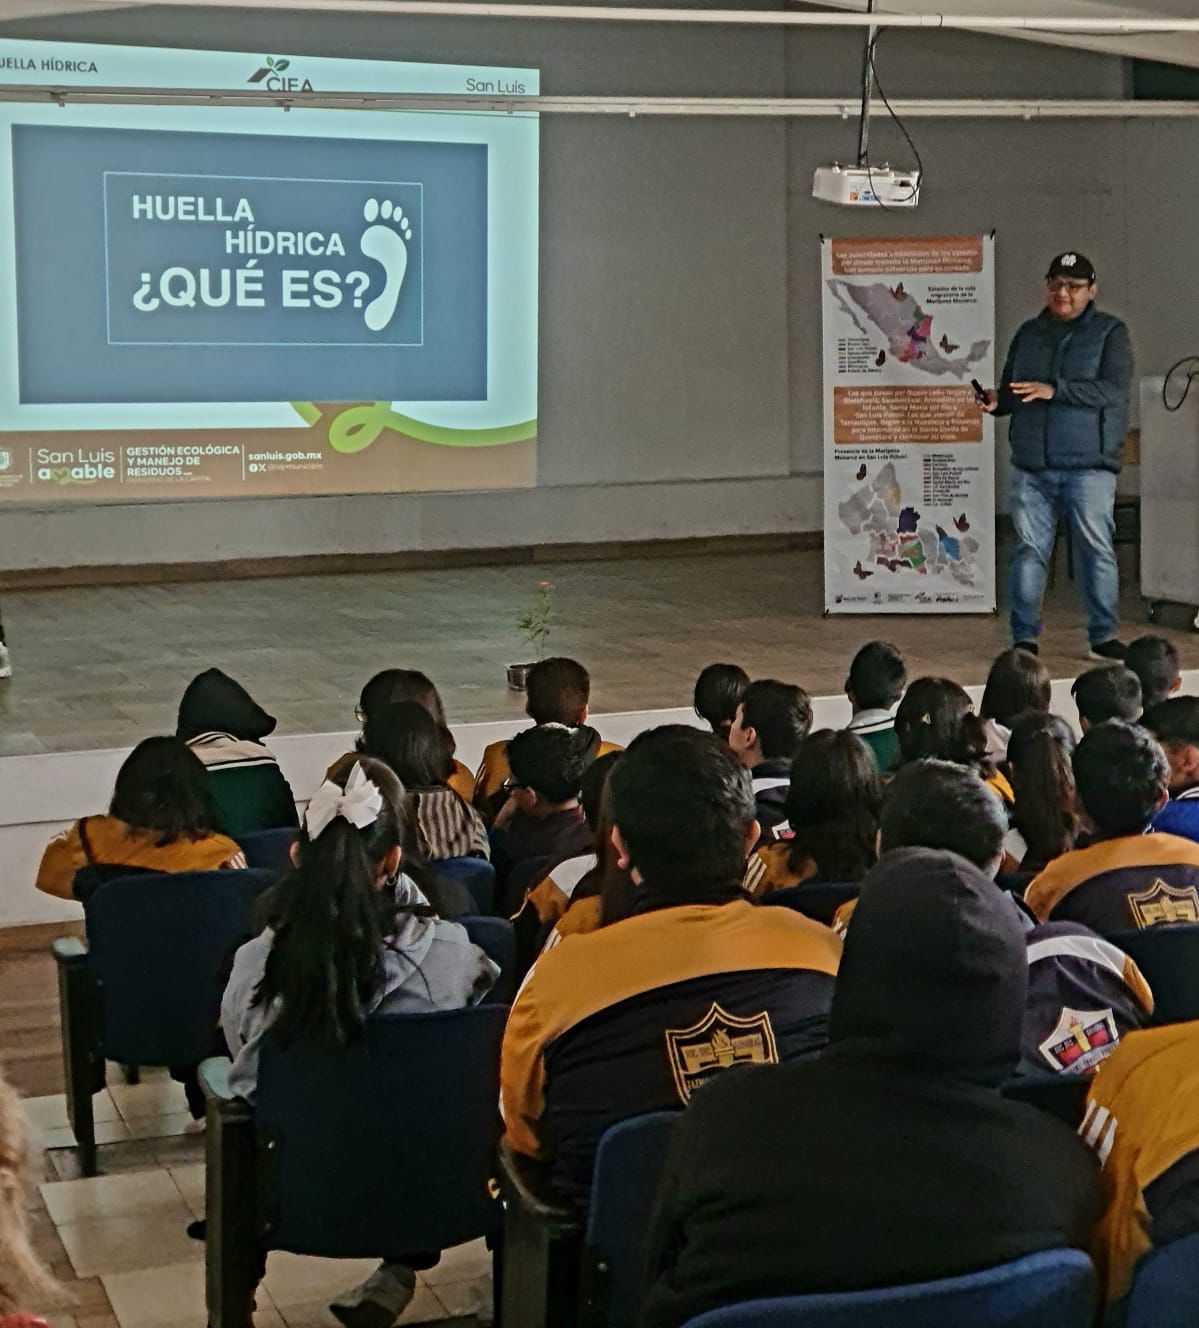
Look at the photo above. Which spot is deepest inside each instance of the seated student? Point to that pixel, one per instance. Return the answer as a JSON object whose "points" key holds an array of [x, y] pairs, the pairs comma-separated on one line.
{"points": [[1155, 662], [772, 720], [936, 719], [875, 684], [1044, 816], [637, 1016], [542, 819], [558, 691], [224, 726], [718, 692], [407, 739], [1126, 878], [350, 936], [162, 819], [865, 1168], [1018, 682], [1175, 724], [1108, 692], [832, 808], [936, 805], [394, 685], [1142, 1120], [579, 876]]}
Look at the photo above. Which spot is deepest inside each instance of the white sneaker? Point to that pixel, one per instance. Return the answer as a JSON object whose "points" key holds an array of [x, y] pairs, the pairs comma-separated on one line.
{"points": [[5, 661], [379, 1301]]}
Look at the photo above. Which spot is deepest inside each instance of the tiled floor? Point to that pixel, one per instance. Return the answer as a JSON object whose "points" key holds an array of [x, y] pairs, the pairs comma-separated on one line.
{"points": [[119, 1243], [103, 667]]}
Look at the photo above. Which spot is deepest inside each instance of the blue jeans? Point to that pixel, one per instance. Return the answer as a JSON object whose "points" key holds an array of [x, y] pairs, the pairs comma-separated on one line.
{"points": [[1086, 498]]}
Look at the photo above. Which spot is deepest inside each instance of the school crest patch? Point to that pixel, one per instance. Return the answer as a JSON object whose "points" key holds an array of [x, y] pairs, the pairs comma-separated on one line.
{"points": [[718, 1041], [1163, 903], [1081, 1039]]}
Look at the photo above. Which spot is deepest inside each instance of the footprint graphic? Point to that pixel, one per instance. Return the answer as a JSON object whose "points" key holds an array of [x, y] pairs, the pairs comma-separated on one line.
{"points": [[384, 241]]}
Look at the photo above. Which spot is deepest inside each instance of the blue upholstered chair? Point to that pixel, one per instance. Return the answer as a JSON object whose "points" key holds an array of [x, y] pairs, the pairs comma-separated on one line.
{"points": [[382, 1148], [269, 850], [146, 988], [1165, 1289], [496, 937], [1169, 958], [563, 1271], [477, 874], [1053, 1289]]}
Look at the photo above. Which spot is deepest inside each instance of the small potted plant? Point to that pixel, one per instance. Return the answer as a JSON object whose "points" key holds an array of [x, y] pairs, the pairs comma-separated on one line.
{"points": [[534, 626]]}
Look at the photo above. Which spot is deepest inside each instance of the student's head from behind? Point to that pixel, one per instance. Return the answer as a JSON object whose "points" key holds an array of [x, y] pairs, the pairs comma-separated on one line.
{"points": [[1155, 662], [1040, 756], [394, 685], [547, 764], [1108, 692], [940, 805], [683, 810], [1175, 724], [163, 787], [213, 702], [558, 691], [934, 976], [406, 737], [936, 719], [877, 677], [833, 805], [1122, 777], [772, 720], [333, 912], [1018, 682], [718, 692], [593, 791]]}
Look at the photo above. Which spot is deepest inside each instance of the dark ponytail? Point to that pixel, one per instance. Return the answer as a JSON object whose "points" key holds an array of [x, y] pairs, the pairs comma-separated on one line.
{"points": [[936, 720], [331, 920], [1039, 755]]}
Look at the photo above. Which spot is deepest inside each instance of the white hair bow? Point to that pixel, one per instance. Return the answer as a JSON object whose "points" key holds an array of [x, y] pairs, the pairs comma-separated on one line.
{"points": [[359, 803]]}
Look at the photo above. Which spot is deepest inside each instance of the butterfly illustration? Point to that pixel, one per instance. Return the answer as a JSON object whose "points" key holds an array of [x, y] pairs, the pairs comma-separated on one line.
{"points": [[862, 471], [946, 345], [962, 522], [881, 358], [859, 572], [898, 291]]}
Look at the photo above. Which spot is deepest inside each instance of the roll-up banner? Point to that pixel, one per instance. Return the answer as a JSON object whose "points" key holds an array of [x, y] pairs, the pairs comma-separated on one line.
{"points": [[909, 465]]}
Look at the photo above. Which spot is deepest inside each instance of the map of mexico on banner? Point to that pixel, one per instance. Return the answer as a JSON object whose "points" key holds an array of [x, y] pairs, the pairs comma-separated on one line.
{"points": [[909, 476]]}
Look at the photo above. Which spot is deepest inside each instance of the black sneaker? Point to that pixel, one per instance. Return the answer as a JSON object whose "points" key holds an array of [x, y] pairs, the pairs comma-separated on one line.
{"points": [[1030, 646], [1110, 652]]}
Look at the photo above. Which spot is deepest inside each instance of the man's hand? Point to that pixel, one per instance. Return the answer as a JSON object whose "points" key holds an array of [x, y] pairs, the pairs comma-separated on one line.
{"points": [[988, 402], [1034, 391]]}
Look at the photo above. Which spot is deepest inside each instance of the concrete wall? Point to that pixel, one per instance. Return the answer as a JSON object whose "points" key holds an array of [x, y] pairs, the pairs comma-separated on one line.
{"points": [[680, 350]]}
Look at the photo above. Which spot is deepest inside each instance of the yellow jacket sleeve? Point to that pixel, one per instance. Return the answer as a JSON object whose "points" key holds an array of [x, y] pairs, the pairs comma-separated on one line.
{"points": [[522, 1073], [63, 857]]}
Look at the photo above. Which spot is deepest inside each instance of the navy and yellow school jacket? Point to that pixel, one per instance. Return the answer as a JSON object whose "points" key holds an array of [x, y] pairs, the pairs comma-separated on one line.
{"points": [[1142, 1120], [638, 1016], [1125, 884]]}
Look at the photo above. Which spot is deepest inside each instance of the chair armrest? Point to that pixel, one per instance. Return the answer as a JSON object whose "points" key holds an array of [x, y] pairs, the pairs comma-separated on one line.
{"points": [[68, 950], [213, 1075], [525, 1182]]}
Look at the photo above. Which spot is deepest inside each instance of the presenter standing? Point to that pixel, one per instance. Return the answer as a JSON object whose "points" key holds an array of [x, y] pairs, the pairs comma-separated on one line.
{"points": [[1066, 385]]}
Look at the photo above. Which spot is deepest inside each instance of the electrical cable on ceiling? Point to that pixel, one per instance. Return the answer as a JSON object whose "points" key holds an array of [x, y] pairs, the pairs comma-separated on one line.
{"points": [[1191, 365], [873, 74]]}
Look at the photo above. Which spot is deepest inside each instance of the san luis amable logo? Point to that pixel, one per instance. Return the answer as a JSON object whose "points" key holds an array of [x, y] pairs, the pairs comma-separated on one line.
{"points": [[274, 78]]}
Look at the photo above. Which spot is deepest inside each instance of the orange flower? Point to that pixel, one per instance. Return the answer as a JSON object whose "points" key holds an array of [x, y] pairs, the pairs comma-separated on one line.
{"points": [[545, 585]]}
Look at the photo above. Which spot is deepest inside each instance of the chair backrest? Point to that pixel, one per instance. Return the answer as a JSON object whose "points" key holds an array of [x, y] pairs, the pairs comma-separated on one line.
{"points": [[818, 901], [1053, 1289], [160, 946], [496, 937], [386, 1146], [269, 850], [628, 1164], [1165, 1290], [1169, 958], [477, 874]]}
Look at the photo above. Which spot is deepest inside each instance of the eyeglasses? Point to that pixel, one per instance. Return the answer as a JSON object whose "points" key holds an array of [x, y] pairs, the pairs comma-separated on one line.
{"points": [[1062, 284], [360, 714]]}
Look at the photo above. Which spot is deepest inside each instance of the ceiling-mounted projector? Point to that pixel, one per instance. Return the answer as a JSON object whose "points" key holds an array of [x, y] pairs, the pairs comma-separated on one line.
{"points": [[859, 186]]}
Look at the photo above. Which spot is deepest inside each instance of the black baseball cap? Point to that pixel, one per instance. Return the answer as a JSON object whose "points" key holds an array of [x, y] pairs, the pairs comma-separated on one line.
{"points": [[1072, 264]]}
